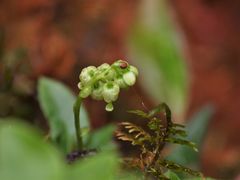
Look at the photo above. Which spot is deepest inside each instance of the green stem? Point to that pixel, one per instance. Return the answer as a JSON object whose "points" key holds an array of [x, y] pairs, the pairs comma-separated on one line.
{"points": [[76, 110]]}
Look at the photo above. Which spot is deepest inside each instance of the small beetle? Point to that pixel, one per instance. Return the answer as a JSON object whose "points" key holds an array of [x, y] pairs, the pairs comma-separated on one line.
{"points": [[123, 64]]}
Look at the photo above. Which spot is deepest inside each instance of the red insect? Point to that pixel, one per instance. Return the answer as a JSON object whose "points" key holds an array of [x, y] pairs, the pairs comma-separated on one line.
{"points": [[123, 64]]}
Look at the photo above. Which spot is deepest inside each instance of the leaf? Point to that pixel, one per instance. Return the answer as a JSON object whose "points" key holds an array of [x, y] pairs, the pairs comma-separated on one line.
{"points": [[171, 175], [101, 138], [179, 168], [198, 124], [196, 129], [127, 137], [102, 166], [182, 142], [56, 102], [139, 113], [155, 45], [132, 128], [135, 134], [178, 132], [25, 156], [162, 107]]}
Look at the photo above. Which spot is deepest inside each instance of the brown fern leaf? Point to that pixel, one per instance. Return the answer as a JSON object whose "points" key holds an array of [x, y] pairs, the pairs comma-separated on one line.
{"points": [[136, 130], [127, 137]]}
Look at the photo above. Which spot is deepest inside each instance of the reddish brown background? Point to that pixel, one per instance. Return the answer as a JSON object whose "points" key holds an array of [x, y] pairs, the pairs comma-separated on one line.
{"points": [[212, 29], [64, 36]]}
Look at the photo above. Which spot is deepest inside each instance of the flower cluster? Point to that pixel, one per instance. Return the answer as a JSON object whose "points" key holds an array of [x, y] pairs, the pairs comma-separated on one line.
{"points": [[105, 81]]}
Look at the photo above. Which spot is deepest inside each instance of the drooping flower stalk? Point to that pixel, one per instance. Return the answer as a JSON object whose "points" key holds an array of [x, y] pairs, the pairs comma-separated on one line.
{"points": [[102, 83]]}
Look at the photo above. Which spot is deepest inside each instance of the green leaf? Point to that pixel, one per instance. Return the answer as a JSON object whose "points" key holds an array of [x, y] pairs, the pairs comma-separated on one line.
{"points": [[179, 168], [196, 129], [171, 175], [102, 138], [139, 113], [182, 142], [25, 156], [102, 166], [56, 102], [156, 47]]}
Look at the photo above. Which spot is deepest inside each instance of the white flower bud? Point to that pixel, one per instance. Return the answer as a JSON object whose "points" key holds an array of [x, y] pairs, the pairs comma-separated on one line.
{"points": [[105, 81], [129, 78], [109, 107], [134, 70], [87, 73], [110, 92], [97, 93], [120, 63], [103, 67], [80, 85], [111, 74], [120, 82], [85, 92]]}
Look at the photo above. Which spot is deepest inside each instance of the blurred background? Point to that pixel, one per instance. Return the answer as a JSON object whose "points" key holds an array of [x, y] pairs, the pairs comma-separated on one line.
{"points": [[187, 52]]}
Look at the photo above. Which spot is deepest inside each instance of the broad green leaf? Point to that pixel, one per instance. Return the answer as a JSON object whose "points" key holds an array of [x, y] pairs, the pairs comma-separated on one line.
{"points": [[102, 138], [171, 175], [25, 156], [56, 102], [102, 166], [155, 44], [196, 129]]}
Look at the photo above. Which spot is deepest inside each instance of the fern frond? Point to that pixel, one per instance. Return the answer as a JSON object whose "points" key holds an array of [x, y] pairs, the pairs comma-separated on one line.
{"points": [[155, 124], [156, 174], [136, 130], [161, 107], [178, 168], [139, 113], [182, 142], [151, 142], [127, 137], [178, 125], [180, 132]]}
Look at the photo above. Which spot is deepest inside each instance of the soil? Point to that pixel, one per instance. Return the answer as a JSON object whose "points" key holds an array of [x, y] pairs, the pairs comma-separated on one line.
{"points": [[75, 155]]}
